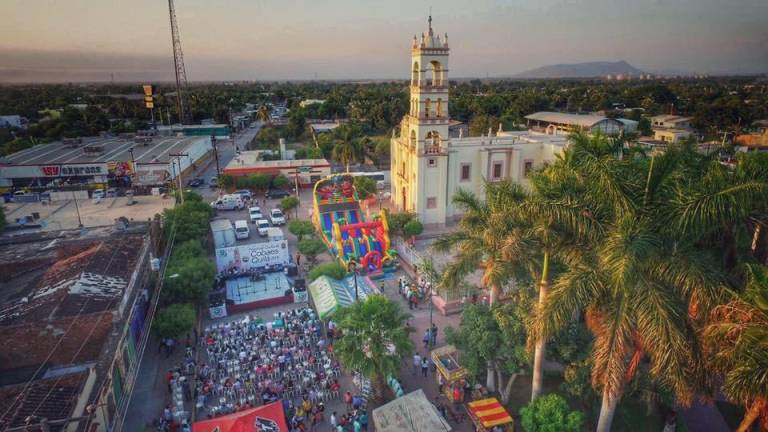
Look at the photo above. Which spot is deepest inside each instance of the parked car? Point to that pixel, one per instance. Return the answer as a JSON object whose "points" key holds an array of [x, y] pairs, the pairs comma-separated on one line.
{"points": [[241, 230], [245, 194], [276, 217], [276, 193], [195, 182], [262, 225], [228, 202], [214, 182], [255, 214]]}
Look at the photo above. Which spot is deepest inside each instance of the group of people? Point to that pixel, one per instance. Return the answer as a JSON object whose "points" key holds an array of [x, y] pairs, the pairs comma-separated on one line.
{"points": [[412, 292], [251, 362]]}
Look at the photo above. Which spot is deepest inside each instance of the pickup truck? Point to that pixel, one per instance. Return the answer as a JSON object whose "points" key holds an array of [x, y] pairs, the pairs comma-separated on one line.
{"points": [[276, 217]]}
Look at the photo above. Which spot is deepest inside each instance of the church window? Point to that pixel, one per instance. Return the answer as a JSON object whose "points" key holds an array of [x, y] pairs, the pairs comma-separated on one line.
{"points": [[427, 107], [527, 168], [497, 170], [466, 172], [431, 162], [431, 202]]}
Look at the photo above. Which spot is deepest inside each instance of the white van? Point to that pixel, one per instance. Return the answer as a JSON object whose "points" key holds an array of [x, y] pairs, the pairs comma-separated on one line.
{"points": [[228, 202], [241, 230], [275, 234]]}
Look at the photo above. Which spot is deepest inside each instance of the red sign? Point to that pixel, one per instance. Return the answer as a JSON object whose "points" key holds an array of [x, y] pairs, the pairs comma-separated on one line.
{"points": [[50, 170], [267, 418]]}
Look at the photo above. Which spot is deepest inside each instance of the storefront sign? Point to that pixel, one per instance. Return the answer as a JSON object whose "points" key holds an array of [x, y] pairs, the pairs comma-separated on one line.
{"points": [[252, 256], [72, 170]]}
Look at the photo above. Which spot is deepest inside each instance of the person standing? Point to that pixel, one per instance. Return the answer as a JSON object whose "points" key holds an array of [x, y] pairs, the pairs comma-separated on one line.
{"points": [[424, 367], [433, 335], [334, 421], [416, 363], [426, 338]]}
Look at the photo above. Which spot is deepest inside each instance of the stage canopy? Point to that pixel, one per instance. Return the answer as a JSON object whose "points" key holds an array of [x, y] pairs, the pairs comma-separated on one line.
{"points": [[489, 412], [410, 413], [328, 294], [267, 418]]}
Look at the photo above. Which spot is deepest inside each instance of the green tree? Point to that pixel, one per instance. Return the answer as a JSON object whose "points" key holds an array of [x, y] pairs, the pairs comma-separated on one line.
{"points": [[397, 221], [550, 413], [413, 228], [309, 153], [301, 228], [365, 187], [332, 269], [187, 221], [226, 181], [289, 203], [311, 248], [174, 321], [374, 340], [737, 339], [347, 149], [189, 281], [280, 182]]}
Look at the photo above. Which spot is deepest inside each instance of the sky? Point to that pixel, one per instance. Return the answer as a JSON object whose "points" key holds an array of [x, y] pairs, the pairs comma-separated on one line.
{"points": [[96, 40]]}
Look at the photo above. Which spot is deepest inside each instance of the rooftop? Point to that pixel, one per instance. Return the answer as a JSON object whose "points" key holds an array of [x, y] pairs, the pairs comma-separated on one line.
{"points": [[59, 397], [114, 149], [670, 118], [249, 159], [584, 120]]}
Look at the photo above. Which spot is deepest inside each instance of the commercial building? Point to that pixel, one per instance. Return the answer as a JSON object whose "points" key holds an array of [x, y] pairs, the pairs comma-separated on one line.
{"points": [[429, 164], [15, 121], [142, 161], [220, 131], [305, 171], [72, 316], [554, 123]]}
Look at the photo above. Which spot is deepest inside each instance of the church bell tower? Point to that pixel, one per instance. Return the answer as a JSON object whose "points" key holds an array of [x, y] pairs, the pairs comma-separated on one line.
{"points": [[420, 153]]}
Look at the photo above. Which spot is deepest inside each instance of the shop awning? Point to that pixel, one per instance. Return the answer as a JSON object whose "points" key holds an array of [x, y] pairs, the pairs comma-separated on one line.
{"points": [[489, 412], [264, 418]]}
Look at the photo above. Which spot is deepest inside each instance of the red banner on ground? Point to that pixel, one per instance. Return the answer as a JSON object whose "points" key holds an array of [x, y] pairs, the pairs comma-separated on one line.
{"points": [[267, 418]]}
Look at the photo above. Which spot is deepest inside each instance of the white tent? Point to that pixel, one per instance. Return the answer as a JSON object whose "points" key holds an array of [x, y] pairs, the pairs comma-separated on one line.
{"points": [[410, 413]]}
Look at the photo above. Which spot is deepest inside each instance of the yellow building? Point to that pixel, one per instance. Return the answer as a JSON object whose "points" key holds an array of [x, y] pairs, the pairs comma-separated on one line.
{"points": [[429, 166]]}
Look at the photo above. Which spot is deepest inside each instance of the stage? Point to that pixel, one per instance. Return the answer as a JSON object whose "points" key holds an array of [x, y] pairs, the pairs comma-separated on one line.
{"points": [[245, 294]]}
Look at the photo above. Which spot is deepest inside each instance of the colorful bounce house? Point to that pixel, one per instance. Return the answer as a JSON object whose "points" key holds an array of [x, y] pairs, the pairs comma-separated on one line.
{"points": [[349, 237]]}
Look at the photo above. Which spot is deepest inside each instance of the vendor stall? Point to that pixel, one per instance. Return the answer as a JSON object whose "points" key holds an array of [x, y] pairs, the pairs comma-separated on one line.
{"points": [[327, 294], [450, 374], [488, 415]]}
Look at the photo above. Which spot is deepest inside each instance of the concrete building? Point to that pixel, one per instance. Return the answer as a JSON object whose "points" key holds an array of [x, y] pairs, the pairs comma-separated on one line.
{"points": [[564, 123], [72, 319], [670, 128], [306, 171], [220, 131], [429, 165], [143, 161]]}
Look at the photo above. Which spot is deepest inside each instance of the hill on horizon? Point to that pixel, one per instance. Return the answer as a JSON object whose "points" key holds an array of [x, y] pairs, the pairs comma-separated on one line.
{"points": [[581, 70]]}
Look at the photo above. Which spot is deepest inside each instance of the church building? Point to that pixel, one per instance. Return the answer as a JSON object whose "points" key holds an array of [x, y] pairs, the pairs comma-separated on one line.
{"points": [[429, 166]]}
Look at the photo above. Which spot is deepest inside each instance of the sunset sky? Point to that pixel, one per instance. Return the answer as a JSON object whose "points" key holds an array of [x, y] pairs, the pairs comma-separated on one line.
{"points": [[338, 39]]}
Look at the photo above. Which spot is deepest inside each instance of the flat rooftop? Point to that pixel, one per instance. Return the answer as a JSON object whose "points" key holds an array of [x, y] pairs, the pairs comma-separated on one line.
{"points": [[249, 159], [115, 149]]}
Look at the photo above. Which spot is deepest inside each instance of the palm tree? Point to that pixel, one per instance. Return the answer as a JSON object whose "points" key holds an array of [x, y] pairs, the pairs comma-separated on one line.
{"points": [[347, 149], [263, 113], [374, 339], [480, 237], [636, 279], [737, 338]]}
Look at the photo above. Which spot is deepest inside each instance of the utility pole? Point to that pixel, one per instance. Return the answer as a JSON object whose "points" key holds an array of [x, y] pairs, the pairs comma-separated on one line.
{"points": [[178, 64], [353, 266], [178, 157], [77, 208], [215, 155]]}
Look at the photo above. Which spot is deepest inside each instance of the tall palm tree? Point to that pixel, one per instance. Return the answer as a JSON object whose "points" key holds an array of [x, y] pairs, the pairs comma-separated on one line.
{"points": [[636, 280], [374, 339], [737, 338], [480, 237], [347, 149], [263, 113]]}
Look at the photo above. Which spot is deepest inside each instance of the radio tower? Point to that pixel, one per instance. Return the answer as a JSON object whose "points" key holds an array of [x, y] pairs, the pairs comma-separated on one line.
{"points": [[178, 64]]}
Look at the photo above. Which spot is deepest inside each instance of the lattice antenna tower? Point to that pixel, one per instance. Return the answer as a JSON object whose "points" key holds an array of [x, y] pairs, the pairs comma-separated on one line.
{"points": [[178, 64]]}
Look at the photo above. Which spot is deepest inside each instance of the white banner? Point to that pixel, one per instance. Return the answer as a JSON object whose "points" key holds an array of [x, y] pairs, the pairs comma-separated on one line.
{"points": [[252, 256]]}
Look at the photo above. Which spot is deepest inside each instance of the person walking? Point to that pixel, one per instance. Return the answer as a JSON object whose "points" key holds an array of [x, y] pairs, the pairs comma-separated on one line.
{"points": [[348, 400], [334, 421], [426, 338], [416, 363], [424, 367]]}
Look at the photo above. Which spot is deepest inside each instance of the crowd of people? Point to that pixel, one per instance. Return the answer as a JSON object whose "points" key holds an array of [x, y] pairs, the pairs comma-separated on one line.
{"points": [[413, 292]]}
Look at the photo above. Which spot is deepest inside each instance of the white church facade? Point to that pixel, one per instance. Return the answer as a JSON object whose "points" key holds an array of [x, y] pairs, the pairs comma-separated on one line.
{"points": [[429, 167]]}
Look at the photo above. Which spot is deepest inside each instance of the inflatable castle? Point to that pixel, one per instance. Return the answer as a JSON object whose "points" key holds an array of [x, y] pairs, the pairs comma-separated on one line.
{"points": [[349, 237]]}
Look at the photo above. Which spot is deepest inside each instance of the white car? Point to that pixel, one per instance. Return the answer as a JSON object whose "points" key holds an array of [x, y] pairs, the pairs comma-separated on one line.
{"points": [[241, 230], [255, 214], [262, 225], [276, 217]]}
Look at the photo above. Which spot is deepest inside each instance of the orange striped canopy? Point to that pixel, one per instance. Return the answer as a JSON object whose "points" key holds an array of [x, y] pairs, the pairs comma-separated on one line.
{"points": [[489, 412]]}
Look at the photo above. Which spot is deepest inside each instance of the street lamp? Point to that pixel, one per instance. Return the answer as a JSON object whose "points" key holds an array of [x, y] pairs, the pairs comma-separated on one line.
{"points": [[353, 269]]}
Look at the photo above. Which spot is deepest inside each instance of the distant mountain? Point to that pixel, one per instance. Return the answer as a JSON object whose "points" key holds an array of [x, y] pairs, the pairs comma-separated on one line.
{"points": [[581, 70]]}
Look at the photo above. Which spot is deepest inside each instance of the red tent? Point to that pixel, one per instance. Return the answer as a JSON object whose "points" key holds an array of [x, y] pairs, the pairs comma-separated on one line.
{"points": [[267, 418]]}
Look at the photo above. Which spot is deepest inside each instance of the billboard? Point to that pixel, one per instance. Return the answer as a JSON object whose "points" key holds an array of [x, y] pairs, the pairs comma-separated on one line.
{"points": [[119, 168], [149, 101], [252, 256], [266, 418]]}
